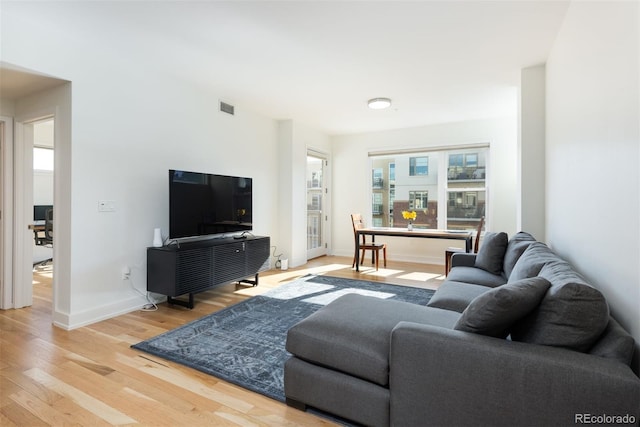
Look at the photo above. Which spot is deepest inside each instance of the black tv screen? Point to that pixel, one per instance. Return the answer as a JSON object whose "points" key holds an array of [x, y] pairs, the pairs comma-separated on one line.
{"points": [[202, 204]]}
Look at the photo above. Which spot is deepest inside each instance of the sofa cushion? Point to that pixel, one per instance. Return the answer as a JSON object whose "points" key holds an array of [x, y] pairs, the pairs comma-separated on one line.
{"points": [[495, 311], [352, 334], [572, 314], [476, 276], [491, 252], [456, 296], [515, 248], [531, 261]]}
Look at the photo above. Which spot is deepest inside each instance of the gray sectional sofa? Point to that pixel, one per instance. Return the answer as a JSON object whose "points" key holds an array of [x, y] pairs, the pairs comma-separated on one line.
{"points": [[513, 337]]}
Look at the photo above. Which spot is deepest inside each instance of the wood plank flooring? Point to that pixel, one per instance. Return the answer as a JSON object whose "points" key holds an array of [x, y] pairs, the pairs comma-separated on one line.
{"points": [[91, 376]]}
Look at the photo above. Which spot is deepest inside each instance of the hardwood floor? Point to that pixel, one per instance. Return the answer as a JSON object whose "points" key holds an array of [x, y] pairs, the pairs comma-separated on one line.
{"points": [[91, 376]]}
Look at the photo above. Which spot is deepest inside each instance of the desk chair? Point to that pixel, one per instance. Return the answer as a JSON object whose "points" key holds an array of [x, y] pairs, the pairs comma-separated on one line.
{"points": [[358, 223], [48, 227], [450, 251], [38, 234]]}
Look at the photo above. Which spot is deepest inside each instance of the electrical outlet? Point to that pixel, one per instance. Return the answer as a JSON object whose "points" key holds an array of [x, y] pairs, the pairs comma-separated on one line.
{"points": [[126, 273]]}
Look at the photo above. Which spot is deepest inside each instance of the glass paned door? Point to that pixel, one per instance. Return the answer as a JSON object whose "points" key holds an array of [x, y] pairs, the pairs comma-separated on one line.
{"points": [[316, 190]]}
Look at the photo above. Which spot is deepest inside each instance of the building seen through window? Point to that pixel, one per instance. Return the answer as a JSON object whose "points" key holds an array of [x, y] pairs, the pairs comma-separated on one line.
{"points": [[446, 188]]}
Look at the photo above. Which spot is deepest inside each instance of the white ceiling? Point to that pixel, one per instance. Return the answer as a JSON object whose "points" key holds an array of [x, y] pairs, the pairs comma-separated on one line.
{"points": [[318, 62]]}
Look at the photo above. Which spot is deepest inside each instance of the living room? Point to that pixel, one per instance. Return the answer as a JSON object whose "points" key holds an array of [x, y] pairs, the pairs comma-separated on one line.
{"points": [[123, 119]]}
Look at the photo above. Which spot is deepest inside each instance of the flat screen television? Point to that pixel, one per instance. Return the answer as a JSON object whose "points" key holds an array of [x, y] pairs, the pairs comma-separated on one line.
{"points": [[203, 204]]}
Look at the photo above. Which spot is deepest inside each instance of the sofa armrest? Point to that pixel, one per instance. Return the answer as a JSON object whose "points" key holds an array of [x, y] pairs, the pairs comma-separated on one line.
{"points": [[463, 259], [451, 377]]}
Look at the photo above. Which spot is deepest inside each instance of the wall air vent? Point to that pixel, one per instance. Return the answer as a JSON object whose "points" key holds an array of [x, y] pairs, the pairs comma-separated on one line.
{"points": [[227, 108]]}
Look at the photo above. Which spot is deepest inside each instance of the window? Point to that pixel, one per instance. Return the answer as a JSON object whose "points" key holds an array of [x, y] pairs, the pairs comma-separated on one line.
{"points": [[418, 166], [418, 199], [42, 159], [464, 166], [378, 208], [471, 160], [377, 179], [315, 202], [388, 220], [446, 188], [377, 204], [466, 188], [316, 179]]}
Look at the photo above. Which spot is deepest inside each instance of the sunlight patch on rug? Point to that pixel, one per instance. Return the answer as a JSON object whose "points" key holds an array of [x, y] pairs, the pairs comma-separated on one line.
{"points": [[381, 272], [421, 276], [326, 298], [290, 291]]}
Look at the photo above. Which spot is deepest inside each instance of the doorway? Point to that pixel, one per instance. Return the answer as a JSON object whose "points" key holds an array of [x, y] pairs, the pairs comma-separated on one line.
{"points": [[33, 97], [43, 206], [317, 215], [33, 142]]}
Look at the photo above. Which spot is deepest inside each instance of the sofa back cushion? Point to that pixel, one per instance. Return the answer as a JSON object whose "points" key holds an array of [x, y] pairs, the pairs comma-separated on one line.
{"points": [[515, 248], [456, 296], [473, 275], [572, 314], [495, 311], [529, 264], [491, 253]]}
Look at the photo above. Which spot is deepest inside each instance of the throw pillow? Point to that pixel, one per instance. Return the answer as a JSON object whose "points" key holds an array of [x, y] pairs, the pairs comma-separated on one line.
{"points": [[491, 253], [494, 312]]}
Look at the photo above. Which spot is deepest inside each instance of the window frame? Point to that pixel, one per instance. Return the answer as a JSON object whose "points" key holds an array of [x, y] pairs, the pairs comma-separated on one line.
{"points": [[435, 214]]}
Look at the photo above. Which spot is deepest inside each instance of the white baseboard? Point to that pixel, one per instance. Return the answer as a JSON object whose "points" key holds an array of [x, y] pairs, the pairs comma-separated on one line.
{"points": [[83, 318]]}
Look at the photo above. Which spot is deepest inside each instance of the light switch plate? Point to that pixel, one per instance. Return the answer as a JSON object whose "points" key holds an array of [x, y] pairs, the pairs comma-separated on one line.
{"points": [[106, 206]]}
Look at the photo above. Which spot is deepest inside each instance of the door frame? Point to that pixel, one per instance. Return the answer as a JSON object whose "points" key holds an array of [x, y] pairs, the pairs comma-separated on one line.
{"points": [[23, 197], [23, 206], [325, 203], [6, 212]]}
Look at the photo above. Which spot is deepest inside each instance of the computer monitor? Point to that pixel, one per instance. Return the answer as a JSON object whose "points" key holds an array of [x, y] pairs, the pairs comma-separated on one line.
{"points": [[40, 212]]}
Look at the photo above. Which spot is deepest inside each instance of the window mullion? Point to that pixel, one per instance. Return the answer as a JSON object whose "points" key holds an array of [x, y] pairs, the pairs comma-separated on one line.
{"points": [[442, 191]]}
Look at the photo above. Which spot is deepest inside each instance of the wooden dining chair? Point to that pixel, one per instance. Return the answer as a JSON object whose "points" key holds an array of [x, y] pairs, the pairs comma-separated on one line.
{"points": [[448, 253], [358, 223]]}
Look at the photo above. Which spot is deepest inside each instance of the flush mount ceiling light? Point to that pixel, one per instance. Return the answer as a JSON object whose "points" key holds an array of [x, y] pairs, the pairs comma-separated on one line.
{"points": [[379, 103]]}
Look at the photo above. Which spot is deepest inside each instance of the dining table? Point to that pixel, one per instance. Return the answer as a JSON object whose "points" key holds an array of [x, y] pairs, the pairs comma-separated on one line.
{"points": [[421, 233]]}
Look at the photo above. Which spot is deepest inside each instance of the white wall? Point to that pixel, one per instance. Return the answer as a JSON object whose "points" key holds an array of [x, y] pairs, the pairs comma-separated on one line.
{"points": [[43, 188], [592, 150], [351, 170], [531, 163], [309, 138], [294, 140], [131, 123]]}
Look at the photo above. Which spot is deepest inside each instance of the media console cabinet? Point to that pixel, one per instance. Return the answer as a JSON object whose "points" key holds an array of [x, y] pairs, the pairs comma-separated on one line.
{"points": [[194, 267]]}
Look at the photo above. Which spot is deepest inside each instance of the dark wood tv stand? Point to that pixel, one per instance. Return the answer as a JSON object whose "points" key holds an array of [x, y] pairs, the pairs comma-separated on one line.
{"points": [[189, 268]]}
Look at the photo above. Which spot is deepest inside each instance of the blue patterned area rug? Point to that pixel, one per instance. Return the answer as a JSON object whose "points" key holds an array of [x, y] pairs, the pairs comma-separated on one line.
{"points": [[245, 344]]}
